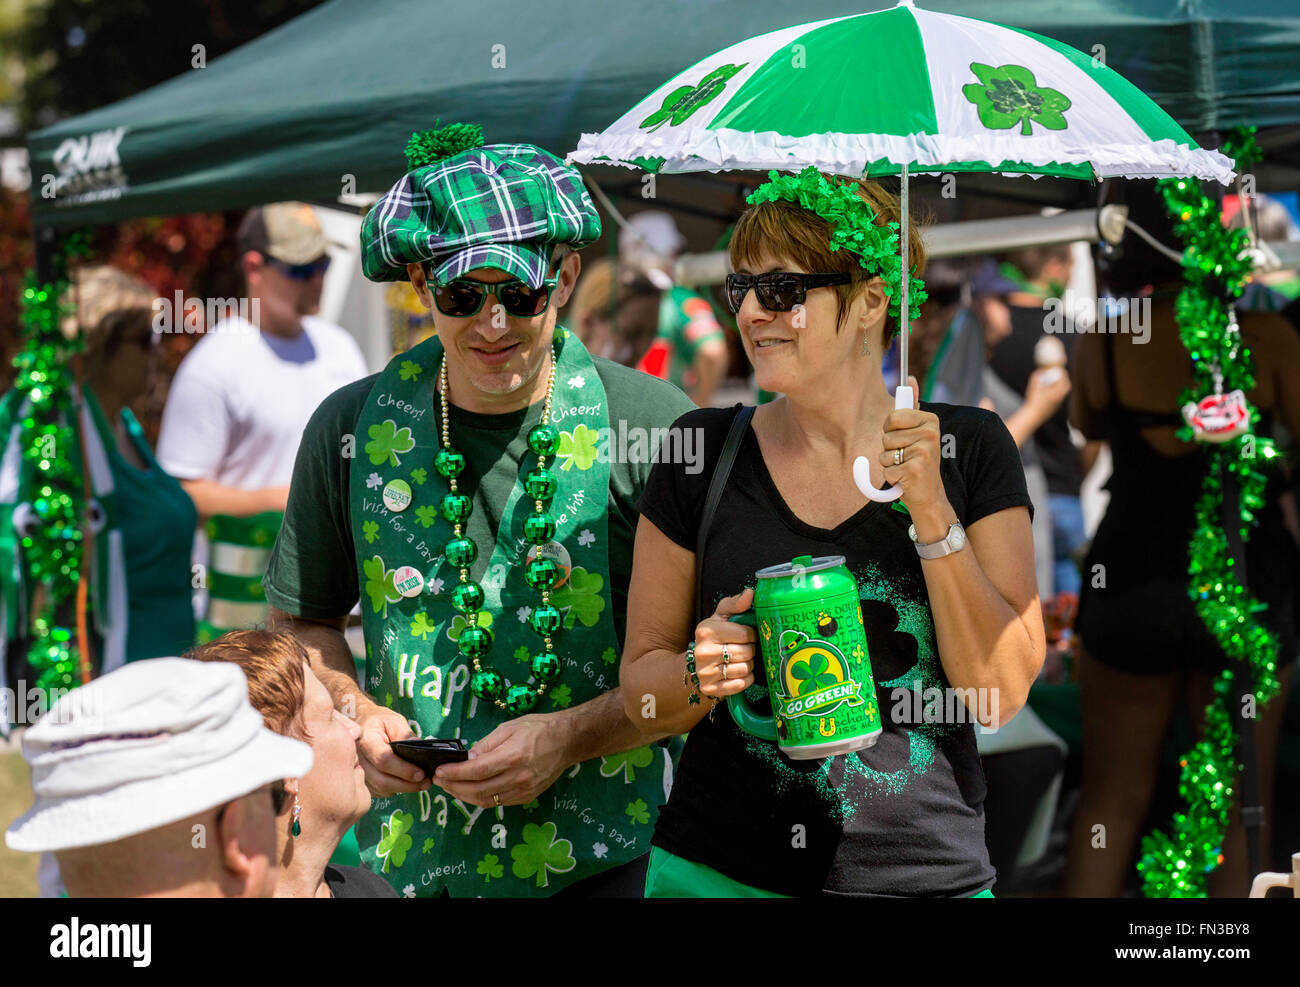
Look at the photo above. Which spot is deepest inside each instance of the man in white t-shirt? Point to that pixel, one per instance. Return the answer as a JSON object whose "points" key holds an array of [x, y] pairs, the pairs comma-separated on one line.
{"points": [[241, 399]]}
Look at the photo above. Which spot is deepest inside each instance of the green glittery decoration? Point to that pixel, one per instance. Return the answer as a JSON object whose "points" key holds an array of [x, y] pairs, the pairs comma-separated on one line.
{"points": [[854, 228], [1175, 864], [428, 147], [50, 548]]}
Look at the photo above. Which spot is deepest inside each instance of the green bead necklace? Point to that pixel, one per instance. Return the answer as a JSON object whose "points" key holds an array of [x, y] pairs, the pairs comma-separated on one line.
{"points": [[541, 573]]}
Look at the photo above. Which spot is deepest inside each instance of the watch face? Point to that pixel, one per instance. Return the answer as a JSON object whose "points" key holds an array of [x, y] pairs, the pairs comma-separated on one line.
{"points": [[957, 537]]}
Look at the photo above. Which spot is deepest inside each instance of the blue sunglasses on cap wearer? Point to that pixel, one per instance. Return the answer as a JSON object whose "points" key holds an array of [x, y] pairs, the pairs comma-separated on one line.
{"points": [[299, 272]]}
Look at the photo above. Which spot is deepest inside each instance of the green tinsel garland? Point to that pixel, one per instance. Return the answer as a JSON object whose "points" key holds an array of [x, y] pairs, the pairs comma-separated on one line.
{"points": [[51, 542], [853, 229], [1175, 865]]}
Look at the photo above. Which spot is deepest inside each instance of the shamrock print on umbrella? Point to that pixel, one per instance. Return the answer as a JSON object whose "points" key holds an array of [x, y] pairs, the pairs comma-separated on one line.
{"points": [[679, 104], [542, 853], [578, 448], [1009, 95], [814, 674], [395, 839], [386, 441], [626, 763]]}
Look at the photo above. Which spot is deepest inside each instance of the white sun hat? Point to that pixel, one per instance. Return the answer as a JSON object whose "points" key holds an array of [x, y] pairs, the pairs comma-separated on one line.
{"points": [[146, 745]]}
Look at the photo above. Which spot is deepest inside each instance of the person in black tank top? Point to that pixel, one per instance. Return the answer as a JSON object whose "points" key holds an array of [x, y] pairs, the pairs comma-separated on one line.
{"points": [[1143, 647], [1134, 612]]}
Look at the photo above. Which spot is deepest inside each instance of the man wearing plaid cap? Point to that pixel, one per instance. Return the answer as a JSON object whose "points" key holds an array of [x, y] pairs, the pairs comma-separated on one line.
{"points": [[477, 496]]}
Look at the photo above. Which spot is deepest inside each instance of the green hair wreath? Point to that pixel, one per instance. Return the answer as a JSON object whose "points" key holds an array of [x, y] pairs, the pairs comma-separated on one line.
{"points": [[427, 147], [854, 228]]}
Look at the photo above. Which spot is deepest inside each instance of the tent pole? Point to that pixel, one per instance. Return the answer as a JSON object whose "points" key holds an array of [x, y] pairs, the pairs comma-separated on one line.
{"points": [[46, 242]]}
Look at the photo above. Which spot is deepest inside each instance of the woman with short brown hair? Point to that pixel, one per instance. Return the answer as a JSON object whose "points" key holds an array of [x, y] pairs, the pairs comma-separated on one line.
{"points": [[324, 804], [816, 293]]}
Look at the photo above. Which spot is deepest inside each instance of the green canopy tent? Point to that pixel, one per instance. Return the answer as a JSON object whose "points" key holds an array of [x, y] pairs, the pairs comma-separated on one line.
{"points": [[323, 105]]}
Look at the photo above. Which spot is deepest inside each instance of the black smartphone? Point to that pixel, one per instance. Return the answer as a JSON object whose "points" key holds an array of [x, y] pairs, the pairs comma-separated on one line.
{"points": [[428, 754]]}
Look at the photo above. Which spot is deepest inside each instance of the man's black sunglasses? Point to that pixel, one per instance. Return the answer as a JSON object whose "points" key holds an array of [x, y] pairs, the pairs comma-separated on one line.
{"points": [[463, 297], [778, 291], [300, 272]]}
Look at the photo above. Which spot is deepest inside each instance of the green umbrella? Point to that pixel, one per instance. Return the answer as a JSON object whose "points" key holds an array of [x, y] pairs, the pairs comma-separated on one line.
{"points": [[898, 91]]}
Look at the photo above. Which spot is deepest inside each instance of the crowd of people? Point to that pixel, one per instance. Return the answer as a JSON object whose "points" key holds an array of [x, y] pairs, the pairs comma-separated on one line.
{"points": [[561, 618]]}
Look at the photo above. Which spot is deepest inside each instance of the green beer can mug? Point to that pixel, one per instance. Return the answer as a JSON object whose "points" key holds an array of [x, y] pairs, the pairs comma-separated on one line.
{"points": [[809, 622]]}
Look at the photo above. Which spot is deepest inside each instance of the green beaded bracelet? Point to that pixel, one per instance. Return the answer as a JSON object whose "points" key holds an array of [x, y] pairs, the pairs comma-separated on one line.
{"points": [[694, 699]]}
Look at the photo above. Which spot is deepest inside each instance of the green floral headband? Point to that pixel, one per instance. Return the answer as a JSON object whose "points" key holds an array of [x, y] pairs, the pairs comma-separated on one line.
{"points": [[854, 228]]}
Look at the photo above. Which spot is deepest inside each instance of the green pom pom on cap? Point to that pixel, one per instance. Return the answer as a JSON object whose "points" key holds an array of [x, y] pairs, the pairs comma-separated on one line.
{"points": [[429, 146]]}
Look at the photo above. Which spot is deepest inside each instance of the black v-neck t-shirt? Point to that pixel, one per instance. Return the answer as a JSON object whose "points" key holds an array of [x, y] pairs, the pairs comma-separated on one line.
{"points": [[902, 818]]}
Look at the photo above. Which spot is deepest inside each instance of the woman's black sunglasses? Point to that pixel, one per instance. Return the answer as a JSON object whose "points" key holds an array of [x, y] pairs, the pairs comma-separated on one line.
{"points": [[463, 298], [778, 291]]}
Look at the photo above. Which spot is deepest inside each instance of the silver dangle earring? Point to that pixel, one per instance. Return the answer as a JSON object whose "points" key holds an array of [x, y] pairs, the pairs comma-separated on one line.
{"points": [[297, 808], [866, 339]]}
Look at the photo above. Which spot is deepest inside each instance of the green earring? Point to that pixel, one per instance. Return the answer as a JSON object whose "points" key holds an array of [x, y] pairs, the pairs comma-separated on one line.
{"points": [[297, 808]]}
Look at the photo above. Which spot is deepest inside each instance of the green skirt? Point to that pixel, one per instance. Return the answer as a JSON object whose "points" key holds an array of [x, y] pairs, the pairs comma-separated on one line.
{"points": [[671, 876]]}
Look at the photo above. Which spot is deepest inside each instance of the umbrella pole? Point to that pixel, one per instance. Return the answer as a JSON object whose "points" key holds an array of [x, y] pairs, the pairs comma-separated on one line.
{"points": [[902, 307], [903, 396]]}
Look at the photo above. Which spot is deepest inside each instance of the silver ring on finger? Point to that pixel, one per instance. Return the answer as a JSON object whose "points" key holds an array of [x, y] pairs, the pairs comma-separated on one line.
{"points": [[898, 457], [726, 657]]}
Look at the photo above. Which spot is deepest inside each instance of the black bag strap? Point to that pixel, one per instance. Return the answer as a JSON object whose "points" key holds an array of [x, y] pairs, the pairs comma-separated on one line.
{"points": [[720, 473]]}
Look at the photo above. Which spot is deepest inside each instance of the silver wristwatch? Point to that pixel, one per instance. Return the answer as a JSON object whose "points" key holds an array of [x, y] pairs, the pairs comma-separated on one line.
{"points": [[954, 542]]}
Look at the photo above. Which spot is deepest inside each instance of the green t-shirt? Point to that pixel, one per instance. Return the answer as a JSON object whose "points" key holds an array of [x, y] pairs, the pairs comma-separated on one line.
{"points": [[312, 572]]}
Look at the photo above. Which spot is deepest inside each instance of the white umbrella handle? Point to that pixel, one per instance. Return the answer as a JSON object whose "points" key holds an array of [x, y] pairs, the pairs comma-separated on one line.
{"points": [[903, 397], [862, 465]]}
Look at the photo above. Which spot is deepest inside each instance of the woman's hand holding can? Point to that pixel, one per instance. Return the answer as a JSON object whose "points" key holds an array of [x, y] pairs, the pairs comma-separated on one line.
{"points": [[725, 652]]}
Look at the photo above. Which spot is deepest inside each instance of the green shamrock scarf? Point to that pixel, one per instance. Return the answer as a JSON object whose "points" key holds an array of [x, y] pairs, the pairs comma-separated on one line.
{"points": [[598, 814]]}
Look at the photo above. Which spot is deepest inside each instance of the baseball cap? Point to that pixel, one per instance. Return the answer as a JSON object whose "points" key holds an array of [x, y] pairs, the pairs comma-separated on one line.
{"points": [[146, 745], [990, 279], [288, 231], [506, 206]]}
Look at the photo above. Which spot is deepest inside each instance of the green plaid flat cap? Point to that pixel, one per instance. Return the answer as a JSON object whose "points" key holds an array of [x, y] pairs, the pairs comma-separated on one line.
{"points": [[502, 205]]}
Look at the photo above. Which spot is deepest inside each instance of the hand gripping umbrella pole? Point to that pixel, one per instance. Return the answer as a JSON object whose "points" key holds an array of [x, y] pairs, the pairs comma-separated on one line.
{"points": [[903, 396]]}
